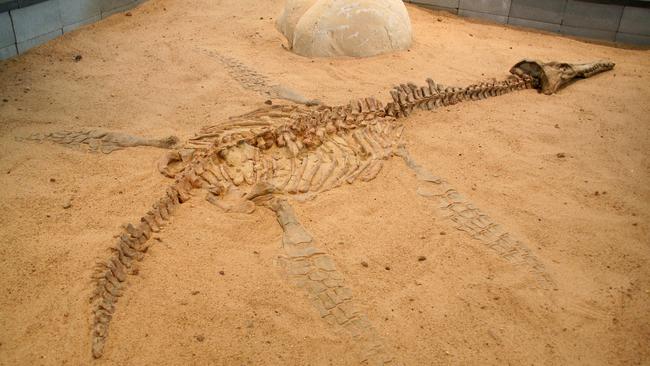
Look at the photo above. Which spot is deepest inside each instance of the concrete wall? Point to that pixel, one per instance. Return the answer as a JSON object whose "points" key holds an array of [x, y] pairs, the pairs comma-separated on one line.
{"points": [[615, 21], [28, 23]]}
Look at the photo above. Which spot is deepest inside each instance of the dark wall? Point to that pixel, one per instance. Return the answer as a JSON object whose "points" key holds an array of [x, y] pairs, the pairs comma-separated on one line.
{"points": [[623, 21], [32, 22]]}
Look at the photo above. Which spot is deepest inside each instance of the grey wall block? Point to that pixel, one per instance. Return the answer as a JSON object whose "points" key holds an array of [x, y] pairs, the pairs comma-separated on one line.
{"points": [[547, 11], [6, 5], [36, 20], [46, 20], [633, 39], [434, 7], [439, 3], [31, 43], [71, 27], [78, 11], [109, 7], [495, 7], [635, 21], [9, 51], [593, 19], [26, 3], [7, 36], [588, 33], [549, 27], [580, 14], [485, 16]]}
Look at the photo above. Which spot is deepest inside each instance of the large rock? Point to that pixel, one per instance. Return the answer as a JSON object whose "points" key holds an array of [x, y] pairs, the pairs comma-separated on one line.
{"points": [[358, 28]]}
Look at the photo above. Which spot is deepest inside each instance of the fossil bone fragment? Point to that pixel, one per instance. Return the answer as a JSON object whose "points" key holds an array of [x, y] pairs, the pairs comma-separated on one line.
{"points": [[288, 151], [552, 76], [102, 140]]}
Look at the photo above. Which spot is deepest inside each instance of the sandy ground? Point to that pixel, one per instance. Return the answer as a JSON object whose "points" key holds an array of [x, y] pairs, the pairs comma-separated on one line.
{"points": [[586, 216]]}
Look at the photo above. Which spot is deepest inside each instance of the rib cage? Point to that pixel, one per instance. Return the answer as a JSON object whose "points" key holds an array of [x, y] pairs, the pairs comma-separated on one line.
{"points": [[304, 165]]}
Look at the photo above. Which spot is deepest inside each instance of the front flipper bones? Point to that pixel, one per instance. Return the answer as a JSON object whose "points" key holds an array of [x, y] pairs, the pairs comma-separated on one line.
{"points": [[102, 140]]}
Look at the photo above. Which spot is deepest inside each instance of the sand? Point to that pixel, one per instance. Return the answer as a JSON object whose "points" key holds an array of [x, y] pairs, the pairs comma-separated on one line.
{"points": [[586, 216]]}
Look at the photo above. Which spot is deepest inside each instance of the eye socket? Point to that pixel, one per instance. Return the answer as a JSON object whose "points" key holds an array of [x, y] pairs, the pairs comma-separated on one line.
{"points": [[530, 68]]}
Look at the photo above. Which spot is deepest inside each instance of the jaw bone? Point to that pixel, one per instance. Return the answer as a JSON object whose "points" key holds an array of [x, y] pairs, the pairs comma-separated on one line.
{"points": [[552, 76]]}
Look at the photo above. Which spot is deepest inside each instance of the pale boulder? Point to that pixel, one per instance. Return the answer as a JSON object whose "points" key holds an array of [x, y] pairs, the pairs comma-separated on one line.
{"points": [[293, 11], [357, 28]]}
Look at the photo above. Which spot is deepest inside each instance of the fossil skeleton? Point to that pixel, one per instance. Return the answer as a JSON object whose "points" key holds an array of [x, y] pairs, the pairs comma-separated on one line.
{"points": [[264, 157]]}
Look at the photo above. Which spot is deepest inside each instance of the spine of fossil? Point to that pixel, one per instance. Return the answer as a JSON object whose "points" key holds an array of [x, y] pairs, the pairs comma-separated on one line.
{"points": [[132, 243], [304, 127], [299, 127], [407, 97]]}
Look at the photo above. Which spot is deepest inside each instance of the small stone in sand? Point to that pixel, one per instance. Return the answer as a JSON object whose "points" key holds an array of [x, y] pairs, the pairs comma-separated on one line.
{"points": [[222, 273], [422, 258], [200, 338], [561, 155], [364, 263]]}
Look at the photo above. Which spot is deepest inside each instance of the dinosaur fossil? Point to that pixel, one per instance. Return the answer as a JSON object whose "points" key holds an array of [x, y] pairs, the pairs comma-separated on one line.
{"points": [[278, 152]]}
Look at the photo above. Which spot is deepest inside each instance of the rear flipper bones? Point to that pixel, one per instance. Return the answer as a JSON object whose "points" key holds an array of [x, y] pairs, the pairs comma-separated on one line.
{"points": [[310, 268], [476, 223]]}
